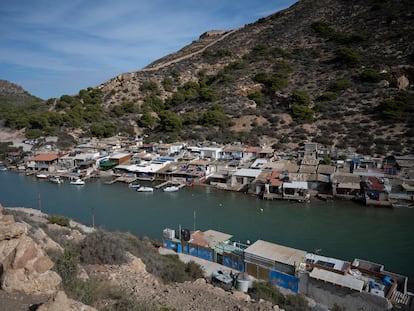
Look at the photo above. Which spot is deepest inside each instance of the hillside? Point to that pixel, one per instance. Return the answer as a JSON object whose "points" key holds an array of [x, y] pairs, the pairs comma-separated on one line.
{"points": [[13, 94], [52, 263], [331, 71]]}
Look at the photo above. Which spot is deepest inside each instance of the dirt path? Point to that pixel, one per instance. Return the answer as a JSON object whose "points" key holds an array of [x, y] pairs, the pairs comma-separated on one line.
{"points": [[179, 59]]}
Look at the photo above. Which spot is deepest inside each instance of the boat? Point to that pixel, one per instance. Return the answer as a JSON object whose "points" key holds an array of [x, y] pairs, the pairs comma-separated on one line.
{"points": [[42, 176], [78, 182], [132, 185], [171, 189], [145, 189], [56, 180]]}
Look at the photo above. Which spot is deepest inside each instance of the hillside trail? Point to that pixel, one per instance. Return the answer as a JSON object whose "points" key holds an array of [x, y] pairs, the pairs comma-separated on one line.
{"points": [[179, 59]]}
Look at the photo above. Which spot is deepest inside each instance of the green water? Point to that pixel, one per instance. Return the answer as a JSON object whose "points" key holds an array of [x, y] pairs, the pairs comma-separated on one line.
{"points": [[340, 229]]}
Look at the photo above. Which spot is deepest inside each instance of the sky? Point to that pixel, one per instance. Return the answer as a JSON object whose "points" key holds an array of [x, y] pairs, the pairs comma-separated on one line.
{"points": [[54, 47]]}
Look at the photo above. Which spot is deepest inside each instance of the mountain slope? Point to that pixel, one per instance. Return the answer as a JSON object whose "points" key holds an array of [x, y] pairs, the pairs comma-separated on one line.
{"points": [[344, 57], [13, 94], [331, 71]]}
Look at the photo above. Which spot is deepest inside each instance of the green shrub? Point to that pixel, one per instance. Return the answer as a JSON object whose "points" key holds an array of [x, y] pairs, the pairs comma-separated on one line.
{"points": [[67, 266], [194, 270], [101, 247], [302, 113], [331, 33], [301, 98], [373, 76], [348, 57], [59, 220], [170, 121], [392, 109], [267, 291], [327, 96], [257, 97], [150, 86], [339, 85]]}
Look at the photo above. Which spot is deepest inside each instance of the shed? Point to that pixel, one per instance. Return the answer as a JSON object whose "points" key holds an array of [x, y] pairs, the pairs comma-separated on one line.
{"points": [[262, 256], [120, 158]]}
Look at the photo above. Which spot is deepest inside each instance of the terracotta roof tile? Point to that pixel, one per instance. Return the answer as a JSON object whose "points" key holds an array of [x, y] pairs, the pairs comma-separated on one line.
{"points": [[45, 157]]}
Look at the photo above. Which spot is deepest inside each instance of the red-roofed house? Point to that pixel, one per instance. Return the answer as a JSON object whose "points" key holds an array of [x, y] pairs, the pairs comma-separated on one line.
{"points": [[43, 162], [251, 153], [376, 191], [273, 187]]}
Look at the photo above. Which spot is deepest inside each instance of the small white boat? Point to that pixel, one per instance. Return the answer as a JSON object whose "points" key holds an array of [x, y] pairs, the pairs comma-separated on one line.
{"points": [[78, 182], [134, 185], [42, 176], [56, 180], [171, 189], [145, 189]]}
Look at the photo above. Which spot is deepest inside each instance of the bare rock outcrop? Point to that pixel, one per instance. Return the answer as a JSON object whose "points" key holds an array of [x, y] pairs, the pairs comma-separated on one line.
{"points": [[403, 83], [61, 302], [26, 267]]}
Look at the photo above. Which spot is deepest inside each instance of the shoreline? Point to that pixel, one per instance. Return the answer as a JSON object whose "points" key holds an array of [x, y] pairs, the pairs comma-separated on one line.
{"points": [[38, 213]]}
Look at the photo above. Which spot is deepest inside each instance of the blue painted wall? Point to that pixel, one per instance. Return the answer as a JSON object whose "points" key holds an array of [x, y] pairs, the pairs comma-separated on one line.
{"points": [[284, 280]]}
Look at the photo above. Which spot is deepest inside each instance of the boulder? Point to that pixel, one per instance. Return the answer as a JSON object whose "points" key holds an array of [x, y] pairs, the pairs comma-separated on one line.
{"points": [[403, 83], [61, 302], [26, 268], [35, 283], [9, 229]]}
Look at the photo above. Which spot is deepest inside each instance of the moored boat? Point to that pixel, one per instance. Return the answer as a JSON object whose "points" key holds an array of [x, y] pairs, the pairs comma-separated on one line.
{"points": [[145, 189], [171, 189], [56, 180], [42, 176], [132, 185], [78, 182]]}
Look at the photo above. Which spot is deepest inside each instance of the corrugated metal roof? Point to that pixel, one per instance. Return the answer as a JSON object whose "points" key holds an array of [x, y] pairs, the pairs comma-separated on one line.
{"points": [[246, 172], [335, 278], [307, 169], [326, 169], [275, 252], [283, 165], [349, 186], [209, 238], [345, 178], [296, 185]]}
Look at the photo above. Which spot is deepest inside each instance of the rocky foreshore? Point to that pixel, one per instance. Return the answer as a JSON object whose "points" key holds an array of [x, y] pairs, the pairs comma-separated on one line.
{"points": [[29, 280]]}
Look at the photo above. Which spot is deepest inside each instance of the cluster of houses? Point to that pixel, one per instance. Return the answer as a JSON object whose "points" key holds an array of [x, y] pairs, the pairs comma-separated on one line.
{"points": [[356, 285], [315, 171]]}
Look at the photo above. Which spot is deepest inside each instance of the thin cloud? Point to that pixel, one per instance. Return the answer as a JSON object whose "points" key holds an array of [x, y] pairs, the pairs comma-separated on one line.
{"points": [[100, 39]]}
